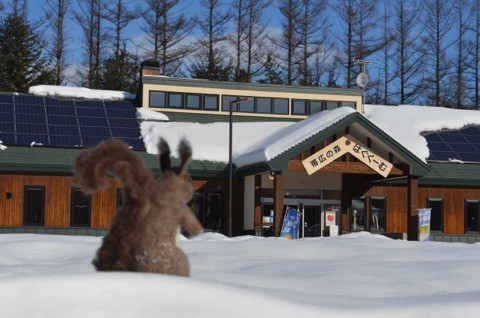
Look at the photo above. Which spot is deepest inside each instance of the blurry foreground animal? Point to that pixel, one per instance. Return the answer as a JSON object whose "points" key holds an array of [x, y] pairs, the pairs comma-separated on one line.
{"points": [[143, 233]]}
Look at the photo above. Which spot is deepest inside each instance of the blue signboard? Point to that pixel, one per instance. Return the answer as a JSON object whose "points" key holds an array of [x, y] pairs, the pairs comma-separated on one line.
{"points": [[424, 216], [291, 224]]}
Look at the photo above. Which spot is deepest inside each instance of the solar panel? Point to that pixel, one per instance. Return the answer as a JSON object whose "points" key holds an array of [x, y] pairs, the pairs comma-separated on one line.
{"points": [[450, 137], [6, 98], [433, 138], [91, 112], [30, 119], [59, 102], [7, 138], [64, 140], [472, 130], [67, 123], [31, 129], [28, 99], [89, 103], [63, 130], [28, 139], [30, 109], [7, 127], [93, 121], [120, 113], [474, 157], [119, 105], [123, 122], [60, 110], [6, 108], [460, 147], [444, 155], [125, 132], [62, 120], [7, 118], [95, 131], [438, 146]]}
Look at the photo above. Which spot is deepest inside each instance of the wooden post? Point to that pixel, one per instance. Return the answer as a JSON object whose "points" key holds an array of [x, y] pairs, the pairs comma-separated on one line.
{"points": [[412, 213], [278, 188]]}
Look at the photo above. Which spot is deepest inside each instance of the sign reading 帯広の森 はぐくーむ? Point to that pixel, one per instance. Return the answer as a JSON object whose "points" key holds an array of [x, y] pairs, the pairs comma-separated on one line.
{"points": [[340, 147]]}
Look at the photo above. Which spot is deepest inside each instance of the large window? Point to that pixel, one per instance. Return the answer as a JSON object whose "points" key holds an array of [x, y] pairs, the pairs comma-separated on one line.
{"points": [[378, 206], [472, 215], [157, 99], [34, 206], [175, 100], [80, 209], [436, 218], [210, 102]]}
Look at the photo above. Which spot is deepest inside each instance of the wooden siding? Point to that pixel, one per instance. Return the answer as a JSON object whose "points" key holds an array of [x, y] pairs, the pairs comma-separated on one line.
{"points": [[57, 200], [397, 206]]}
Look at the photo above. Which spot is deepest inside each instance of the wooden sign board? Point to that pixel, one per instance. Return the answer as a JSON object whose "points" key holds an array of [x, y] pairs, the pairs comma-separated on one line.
{"points": [[340, 147]]}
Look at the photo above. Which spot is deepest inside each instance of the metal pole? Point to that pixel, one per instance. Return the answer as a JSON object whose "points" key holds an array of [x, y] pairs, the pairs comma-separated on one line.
{"points": [[230, 163]]}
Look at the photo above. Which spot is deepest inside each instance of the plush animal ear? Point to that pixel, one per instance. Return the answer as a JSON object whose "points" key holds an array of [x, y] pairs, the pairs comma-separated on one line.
{"points": [[164, 155], [185, 153]]}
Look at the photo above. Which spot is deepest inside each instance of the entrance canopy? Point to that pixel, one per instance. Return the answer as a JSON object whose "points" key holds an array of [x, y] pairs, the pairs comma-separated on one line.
{"points": [[289, 147]]}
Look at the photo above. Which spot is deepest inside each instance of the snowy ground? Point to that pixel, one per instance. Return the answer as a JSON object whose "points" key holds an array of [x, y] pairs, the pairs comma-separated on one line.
{"points": [[356, 275]]}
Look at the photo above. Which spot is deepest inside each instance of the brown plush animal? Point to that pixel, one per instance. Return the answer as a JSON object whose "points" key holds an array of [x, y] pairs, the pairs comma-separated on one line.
{"points": [[143, 233]]}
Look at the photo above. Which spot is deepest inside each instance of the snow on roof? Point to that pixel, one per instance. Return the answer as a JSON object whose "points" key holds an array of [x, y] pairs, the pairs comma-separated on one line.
{"points": [[255, 142], [405, 124], [292, 135], [78, 92], [147, 114]]}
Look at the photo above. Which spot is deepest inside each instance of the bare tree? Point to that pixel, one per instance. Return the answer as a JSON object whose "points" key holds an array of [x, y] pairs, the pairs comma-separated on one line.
{"points": [[312, 33], [438, 23], [119, 15], [409, 59], [475, 54], [89, 18], [249, 38], [55, 14], [288, 41], [211, 59], [167, 28], [462, 18]]}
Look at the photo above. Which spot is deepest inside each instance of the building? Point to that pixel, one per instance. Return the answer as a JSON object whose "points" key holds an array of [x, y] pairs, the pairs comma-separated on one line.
{"points": [[338, 167]]}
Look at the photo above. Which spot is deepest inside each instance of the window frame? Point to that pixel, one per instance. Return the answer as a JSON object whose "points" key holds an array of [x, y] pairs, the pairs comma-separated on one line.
{"points": [[477, 202], [150, 93], [182, 100], [26, 205], [256, 99], [442, 221], [205, 96], [200, 100], [72, 208], [299, 100], [274, 106]]}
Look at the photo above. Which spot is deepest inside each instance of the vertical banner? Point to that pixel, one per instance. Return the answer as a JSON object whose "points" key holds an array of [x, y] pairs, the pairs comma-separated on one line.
{"points": [[424, 224], [291, 224]]}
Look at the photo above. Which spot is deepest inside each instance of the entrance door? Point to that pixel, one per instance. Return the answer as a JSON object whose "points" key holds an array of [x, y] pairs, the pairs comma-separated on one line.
{"points": [[312, 221], [34, 206], [357, 214]]}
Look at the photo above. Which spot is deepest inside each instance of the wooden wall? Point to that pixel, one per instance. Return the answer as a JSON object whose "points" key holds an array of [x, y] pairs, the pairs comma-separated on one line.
{"points": [[57, 200], [453, 199]]}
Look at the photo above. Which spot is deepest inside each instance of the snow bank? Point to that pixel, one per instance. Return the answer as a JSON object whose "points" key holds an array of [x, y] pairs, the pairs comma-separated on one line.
{"points": [[78, 92], [355, 275]]}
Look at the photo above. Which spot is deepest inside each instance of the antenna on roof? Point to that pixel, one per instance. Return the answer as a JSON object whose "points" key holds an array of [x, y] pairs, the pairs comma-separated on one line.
{"points": [[362, 78]]}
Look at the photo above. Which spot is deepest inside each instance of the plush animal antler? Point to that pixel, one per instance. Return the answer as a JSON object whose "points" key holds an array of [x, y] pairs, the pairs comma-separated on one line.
{"points": [[143, 233]]}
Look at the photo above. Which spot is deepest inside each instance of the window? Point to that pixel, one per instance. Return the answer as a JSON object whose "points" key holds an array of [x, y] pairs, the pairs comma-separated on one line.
{"points": [[436, 218], [472, 215], [119, 197], [194, 101], [226, 100], [316, 106], [264, 105], [210, 102], [377, 214], [357, 214], [175, 100], [247, 106], [34, 206], [80, 208], [331, 105], [157, 99], [349, 104], [280, 106], [299, 107]]}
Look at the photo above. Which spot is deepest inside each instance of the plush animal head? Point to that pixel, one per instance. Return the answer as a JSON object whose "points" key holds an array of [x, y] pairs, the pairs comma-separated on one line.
{"points": [[177, 176]]}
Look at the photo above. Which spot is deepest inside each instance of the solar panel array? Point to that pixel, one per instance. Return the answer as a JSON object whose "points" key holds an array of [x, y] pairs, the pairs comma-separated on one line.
{"points": [[462, 144], [27, 119]]}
